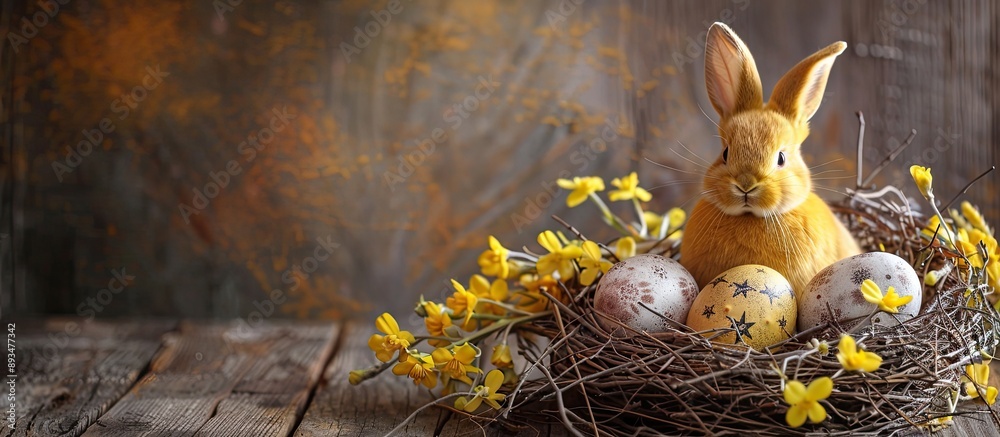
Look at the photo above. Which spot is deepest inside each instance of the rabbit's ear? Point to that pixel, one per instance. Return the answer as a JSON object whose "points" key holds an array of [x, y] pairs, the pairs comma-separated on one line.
{"points": [[800, 91], [730, 73]]}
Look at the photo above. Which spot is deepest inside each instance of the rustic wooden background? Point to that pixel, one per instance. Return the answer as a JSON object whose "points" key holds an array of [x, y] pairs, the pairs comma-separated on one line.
{"points": [[561, 72]]}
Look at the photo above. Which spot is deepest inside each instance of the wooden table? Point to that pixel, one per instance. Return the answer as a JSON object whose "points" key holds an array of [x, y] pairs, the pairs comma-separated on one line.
{"points": [[280, 378]]}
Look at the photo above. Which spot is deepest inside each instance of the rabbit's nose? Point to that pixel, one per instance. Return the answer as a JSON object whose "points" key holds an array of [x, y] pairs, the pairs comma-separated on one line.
{"points": [[746, 183]]}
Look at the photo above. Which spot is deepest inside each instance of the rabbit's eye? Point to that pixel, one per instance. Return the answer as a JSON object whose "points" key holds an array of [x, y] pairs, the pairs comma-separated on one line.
{"points": [[781, 159], [725, 155]]}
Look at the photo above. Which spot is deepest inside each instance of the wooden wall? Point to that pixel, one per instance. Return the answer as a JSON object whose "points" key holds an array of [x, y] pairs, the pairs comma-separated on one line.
{"points": [[560, 74]]}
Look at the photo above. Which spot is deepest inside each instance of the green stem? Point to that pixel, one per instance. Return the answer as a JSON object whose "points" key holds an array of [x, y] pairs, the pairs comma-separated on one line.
{"points": [[505, 306], [377, 369], [951, 237], [610, 217], [521, 255], [478, 316], [485, 332], [642, 217]]}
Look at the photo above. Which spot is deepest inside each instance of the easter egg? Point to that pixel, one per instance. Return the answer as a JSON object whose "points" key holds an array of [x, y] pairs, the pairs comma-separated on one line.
{"points": [[657, 282], [756, 301], [835, 292]]}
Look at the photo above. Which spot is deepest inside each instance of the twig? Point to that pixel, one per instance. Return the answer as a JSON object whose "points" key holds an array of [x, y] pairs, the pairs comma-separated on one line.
{"points": [[892, 155], [414, 414], [964, 190], [861, 147]]}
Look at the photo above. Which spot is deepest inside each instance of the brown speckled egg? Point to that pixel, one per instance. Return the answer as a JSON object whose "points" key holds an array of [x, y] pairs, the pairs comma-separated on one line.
{"points": [[660, 283], [756, 300], [839, 286]]}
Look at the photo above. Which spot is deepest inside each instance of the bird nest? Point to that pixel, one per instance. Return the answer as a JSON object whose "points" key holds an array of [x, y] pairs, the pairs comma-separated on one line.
{"points": [[607, 379]]}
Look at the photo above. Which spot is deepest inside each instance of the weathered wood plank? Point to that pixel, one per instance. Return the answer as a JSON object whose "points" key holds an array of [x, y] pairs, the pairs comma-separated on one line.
{"points": [[225, 380], [70, 372], [378, 405]]}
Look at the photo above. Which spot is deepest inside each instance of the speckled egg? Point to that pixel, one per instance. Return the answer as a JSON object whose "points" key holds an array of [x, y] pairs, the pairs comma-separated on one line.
{"points": [[755, 300], [657, 282], [839, 286]]}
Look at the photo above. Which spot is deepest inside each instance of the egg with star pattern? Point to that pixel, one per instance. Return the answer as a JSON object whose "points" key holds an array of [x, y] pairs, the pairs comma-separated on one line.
{"points": [[750, 304]]}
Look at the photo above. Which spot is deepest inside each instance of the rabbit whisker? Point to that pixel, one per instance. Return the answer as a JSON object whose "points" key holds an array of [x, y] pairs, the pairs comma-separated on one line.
{"points": [[689, 199], [677, 169], [831, 190], [673, 183], [692, 153], [827, 171], [709, 118], [772, 218], [819, 187], [833, 178], [826, 163], [715, 221], [688, 160]]}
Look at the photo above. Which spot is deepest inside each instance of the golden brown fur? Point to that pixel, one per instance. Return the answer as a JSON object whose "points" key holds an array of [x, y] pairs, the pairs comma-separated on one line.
{"points": [[757, 206]]}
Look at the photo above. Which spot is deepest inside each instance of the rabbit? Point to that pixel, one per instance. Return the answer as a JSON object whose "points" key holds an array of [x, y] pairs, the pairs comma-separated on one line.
{"points": [[757, 204]]}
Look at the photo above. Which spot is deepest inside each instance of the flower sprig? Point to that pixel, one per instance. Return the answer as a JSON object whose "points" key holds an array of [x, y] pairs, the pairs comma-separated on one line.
{"points": [[890, 302], [513, 288], [649, 225], [803, 401], [977, 377], [966, 233], [851, 358]]}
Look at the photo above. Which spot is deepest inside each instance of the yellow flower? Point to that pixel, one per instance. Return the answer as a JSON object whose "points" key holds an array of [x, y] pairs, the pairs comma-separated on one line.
{"points": [[853, 359], [628, 188], [461, 301], [974, 218], [670, 222], [889, 303], [356, 376], [591, 263], [501, 357], [804, 401], [437, 320], [484, 393], [676, 217], [821, 346], [625, 248], [932, 277], [420, 368], [967, 245], [993, 270], [582, 188], [560, 258], [457, 364], [653, 222], [938, 423], [531, 298], [932, 225], [979, 376], [494, 261], [922, 176], [483, 289], [532, 302], [393, 340]]}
